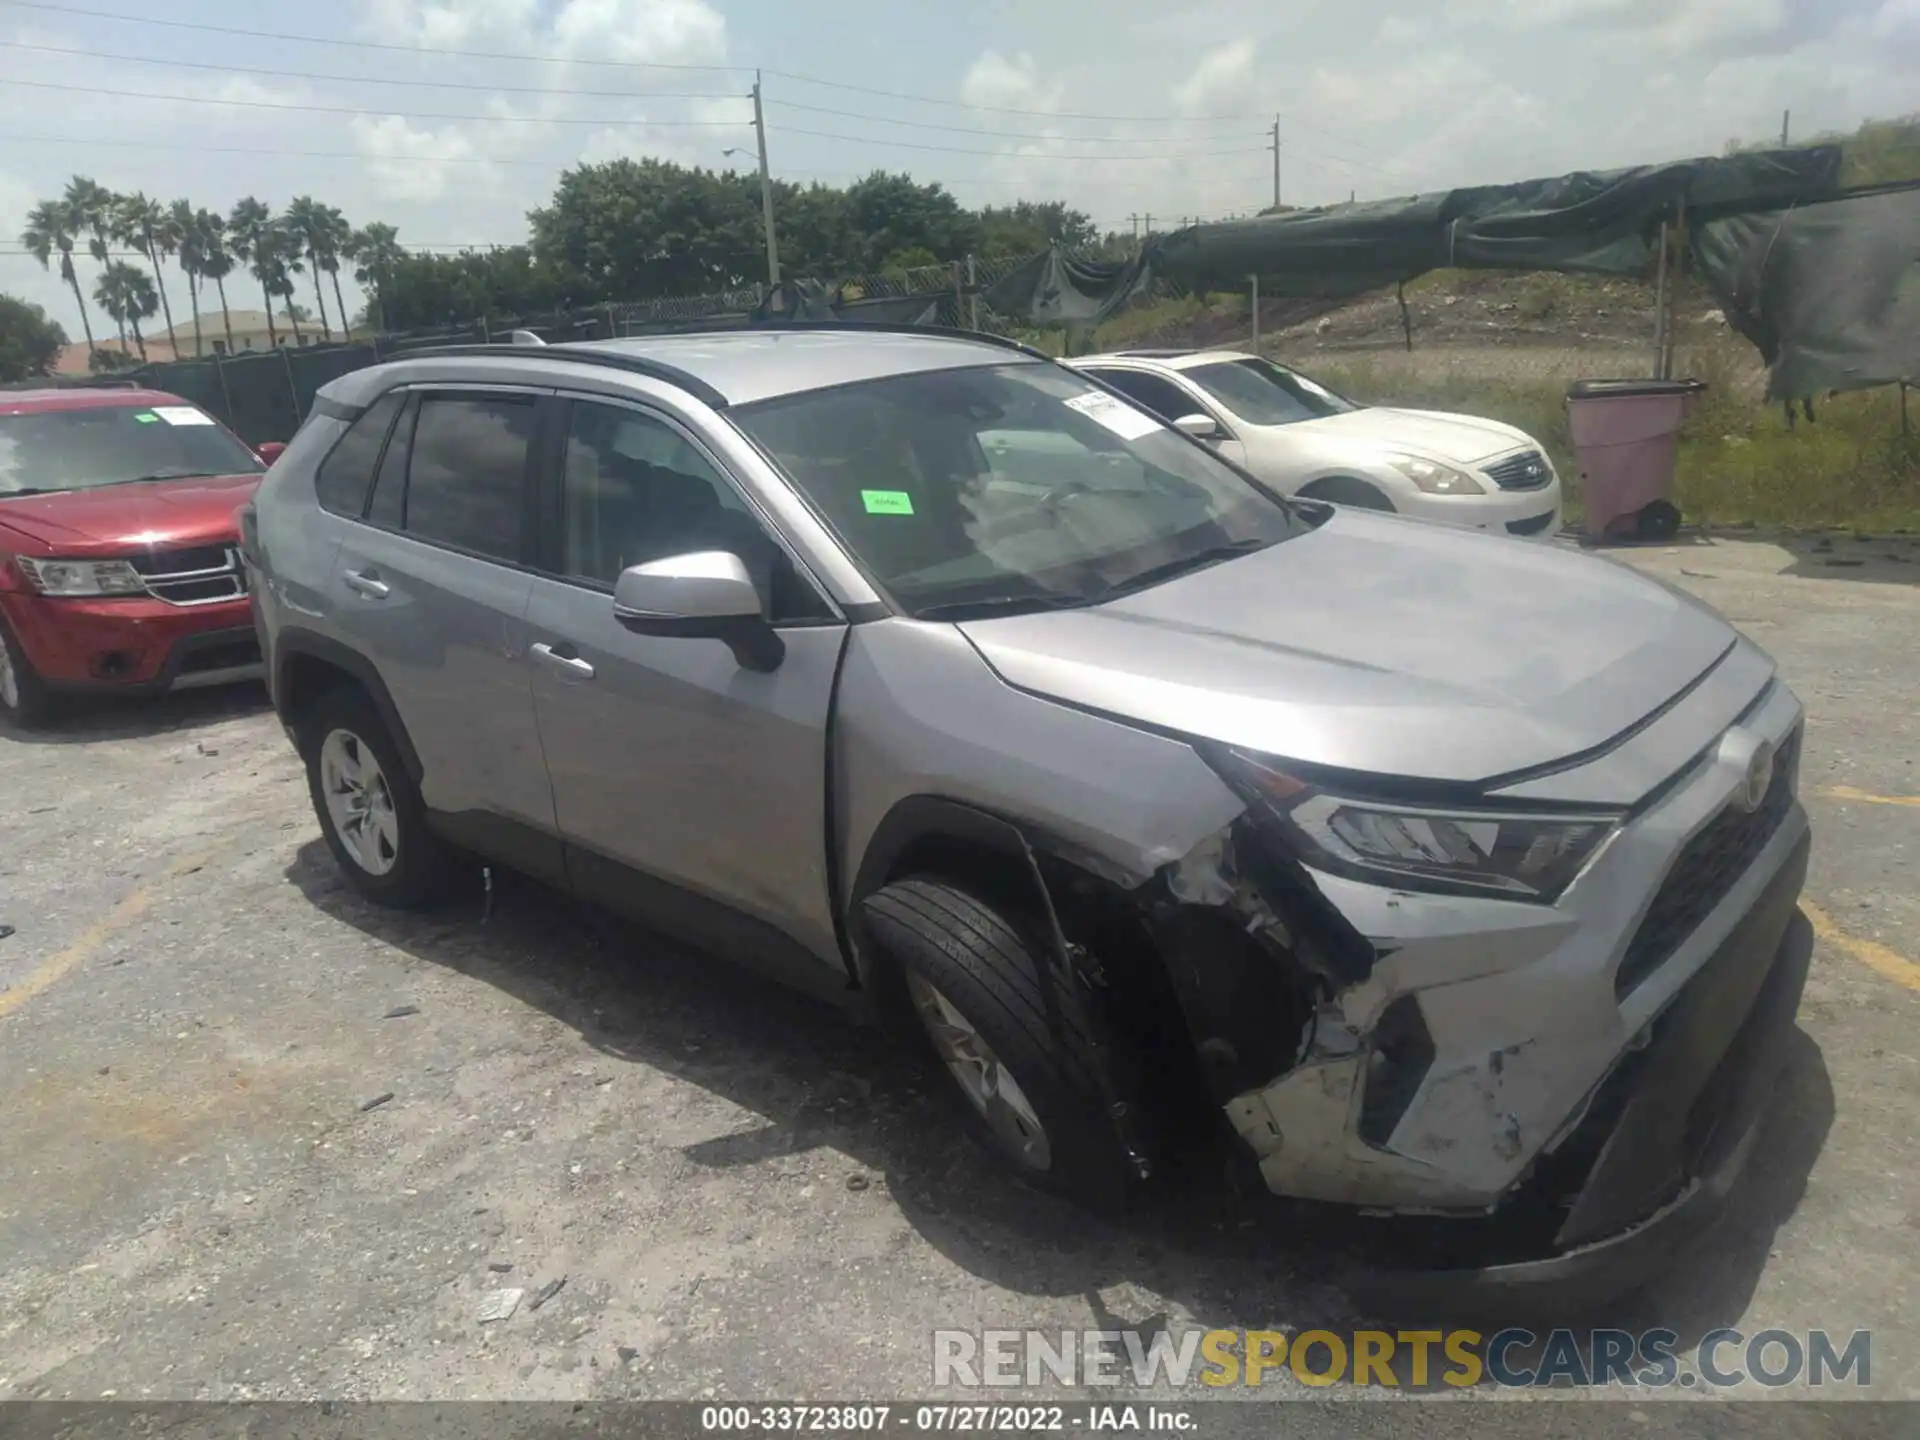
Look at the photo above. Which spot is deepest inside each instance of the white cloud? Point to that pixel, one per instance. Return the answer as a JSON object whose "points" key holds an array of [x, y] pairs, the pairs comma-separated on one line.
{"points": [[407, 163], [1674, 26], [1221, 82], [1011, 81], [680, 31]]}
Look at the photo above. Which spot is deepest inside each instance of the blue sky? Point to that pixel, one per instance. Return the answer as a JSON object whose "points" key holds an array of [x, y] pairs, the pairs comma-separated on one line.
{"points": [[1376, 97]]}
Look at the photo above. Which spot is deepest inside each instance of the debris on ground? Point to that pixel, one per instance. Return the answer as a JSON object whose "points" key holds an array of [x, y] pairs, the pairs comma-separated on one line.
{"points": [[500, 1267], [546, 1292], [626, 1353], [376, 1102], [5, 931], [858, 1182], [499, 1305], [400, 1012]]}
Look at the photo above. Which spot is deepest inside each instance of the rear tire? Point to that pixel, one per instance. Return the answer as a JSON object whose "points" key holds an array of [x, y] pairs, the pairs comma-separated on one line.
{"points": [[1658, 520], [369, 808], [978, 992], [25, 701], [1345, 490]]}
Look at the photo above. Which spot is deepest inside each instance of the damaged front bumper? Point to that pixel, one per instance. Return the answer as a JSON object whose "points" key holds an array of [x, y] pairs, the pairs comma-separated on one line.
{"points": [[1583, 1079]]}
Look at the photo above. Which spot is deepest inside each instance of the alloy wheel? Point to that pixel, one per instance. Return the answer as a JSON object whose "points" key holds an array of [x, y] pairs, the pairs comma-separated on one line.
{"points": [[988, 1085], [359, 802]]}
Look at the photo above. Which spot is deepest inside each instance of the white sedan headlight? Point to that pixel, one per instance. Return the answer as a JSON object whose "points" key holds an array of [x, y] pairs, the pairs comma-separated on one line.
{"points": [[1436, 477], [1522, 855], [81, 578]]}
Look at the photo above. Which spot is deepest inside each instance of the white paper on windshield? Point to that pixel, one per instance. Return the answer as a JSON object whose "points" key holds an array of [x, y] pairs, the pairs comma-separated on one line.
{"points": [[182, 415], [1118, 416]]}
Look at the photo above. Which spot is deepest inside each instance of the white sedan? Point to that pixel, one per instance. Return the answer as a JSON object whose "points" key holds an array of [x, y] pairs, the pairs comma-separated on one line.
{"points": [[1303, 439]]}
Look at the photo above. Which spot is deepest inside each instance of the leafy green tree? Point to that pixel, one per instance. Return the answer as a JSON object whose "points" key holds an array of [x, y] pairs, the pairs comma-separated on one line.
{"points": [[30, 343], [630, 228], [1005, 231], [52, 227], [184, 221]]}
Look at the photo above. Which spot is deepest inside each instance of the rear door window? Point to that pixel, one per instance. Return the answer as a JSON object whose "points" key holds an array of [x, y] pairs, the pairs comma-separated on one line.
{"points": [[1159, 396], [344, 477], [389, 507], [467, 473]]}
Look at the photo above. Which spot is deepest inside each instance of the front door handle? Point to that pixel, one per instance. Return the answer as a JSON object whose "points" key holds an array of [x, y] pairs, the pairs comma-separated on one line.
{"points": [[553, 659], [367, 584]]}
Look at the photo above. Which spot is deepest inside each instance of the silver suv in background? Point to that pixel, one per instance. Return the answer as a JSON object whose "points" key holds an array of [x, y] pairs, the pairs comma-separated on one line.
{"points": [[1459, 877]]}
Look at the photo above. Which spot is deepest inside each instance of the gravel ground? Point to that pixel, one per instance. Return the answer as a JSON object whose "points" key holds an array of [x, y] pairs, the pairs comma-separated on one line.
{"points": [[742, 1193]]}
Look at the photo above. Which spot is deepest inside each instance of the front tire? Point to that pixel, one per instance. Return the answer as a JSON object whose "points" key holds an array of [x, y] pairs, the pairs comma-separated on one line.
{"points": [[1016, 1042], [25, 701], [369, 809]]}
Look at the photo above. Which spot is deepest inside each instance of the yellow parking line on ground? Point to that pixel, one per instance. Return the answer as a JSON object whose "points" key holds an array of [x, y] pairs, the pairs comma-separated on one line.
{"points": [[1870, 953], [52, 971], [1847, 792]]}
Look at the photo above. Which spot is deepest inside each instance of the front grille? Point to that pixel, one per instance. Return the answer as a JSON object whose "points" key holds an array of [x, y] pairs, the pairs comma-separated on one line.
{"points": [[1533, 525], [1528, 470], [1703, 873], [200, 575]]}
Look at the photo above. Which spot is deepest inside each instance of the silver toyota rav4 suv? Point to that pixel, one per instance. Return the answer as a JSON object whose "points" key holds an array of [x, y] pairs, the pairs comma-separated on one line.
{"points": [[1458, 876]]}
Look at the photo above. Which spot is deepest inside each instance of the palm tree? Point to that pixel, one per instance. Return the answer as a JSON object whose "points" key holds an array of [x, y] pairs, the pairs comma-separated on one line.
{"points": [[125, 293], [144, 223], [50, 227], [185, 223], [216, 261], [339, 247], [286, 265], [253, 242], [91, 206], [308, 225], [377, 254]]}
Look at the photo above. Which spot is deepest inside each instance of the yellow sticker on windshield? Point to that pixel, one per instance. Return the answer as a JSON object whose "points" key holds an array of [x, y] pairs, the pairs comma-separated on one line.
{"points": [[887, 502]]}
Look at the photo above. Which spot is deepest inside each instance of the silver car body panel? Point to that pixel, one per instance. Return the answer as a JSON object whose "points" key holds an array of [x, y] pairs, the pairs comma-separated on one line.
{"points": [[1321, 650], [920, 714]]}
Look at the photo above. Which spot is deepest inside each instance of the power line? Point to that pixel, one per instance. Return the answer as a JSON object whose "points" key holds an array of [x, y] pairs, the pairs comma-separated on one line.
{"points": [[1002, 134], [280, 73], [204, 28], [1008, 155], [548, 58], [360, 110]]}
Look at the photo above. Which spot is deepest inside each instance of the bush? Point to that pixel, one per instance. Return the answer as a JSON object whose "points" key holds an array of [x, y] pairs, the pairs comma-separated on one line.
{"points": [[30, 342]]}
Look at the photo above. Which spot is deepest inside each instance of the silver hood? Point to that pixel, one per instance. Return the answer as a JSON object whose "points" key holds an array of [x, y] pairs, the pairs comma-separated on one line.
{"points": [[1381, 645]]}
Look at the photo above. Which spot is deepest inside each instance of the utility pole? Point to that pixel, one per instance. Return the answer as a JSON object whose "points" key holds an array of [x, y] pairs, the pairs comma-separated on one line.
{"points": [[1275, 147], [766, 186], [1786, 122]]}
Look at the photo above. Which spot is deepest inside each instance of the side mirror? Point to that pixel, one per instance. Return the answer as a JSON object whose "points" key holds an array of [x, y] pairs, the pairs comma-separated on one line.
{"points": [[1200, 427], [707, 594], [270, 450]]}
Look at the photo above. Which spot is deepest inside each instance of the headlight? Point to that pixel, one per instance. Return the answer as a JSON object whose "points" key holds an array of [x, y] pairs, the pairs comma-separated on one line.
{"points": [[1522, 856], [1435, 477], [75, 578]]}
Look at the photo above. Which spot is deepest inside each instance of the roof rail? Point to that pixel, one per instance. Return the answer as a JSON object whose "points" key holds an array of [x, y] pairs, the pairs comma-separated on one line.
{"points": [[854, 327], [580, 355]]}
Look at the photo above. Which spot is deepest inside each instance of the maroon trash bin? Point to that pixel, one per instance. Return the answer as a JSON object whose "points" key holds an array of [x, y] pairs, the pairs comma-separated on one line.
{"points": [[1626, 434]]}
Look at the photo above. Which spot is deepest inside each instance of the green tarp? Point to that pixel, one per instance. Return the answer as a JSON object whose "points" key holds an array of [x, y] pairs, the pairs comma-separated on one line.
{"points": [[1599, 222], [1059, 288], [1829, 292]]}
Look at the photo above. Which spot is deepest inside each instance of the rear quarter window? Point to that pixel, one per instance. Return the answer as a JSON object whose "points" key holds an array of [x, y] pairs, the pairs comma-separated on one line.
{"points": [[344, 477]]}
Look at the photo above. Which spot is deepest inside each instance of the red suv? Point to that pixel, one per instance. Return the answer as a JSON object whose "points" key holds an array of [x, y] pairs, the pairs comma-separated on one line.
{"points": [[119, 550]]}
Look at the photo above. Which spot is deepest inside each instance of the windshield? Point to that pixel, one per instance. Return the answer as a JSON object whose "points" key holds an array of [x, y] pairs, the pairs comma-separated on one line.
{"points": [[83, 449], [1263, 393], [1009, 486]]}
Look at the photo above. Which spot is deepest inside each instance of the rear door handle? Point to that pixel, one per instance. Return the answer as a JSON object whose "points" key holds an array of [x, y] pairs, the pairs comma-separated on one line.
{"points": [[553, 659], [367, 584]]}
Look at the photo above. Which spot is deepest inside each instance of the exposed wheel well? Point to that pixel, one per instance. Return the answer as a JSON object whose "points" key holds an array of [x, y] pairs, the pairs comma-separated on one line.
{"points": [[1348, 490], [305, 678]]}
